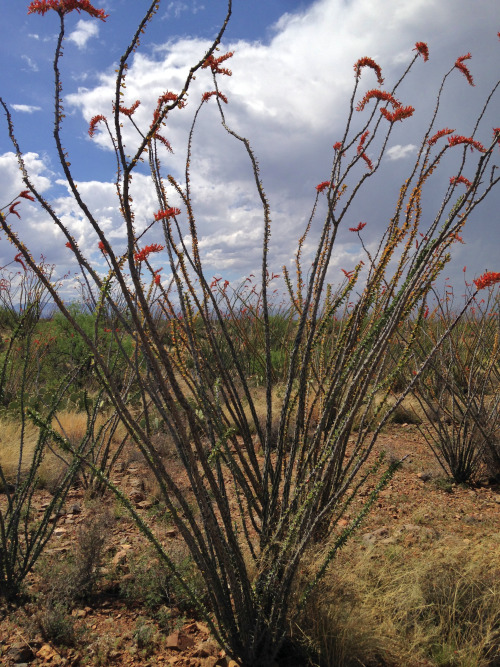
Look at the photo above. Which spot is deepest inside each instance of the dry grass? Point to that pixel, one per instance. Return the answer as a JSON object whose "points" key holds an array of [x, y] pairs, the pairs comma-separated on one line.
{"points": [[11, 436], [392, 606], [72, 425]]}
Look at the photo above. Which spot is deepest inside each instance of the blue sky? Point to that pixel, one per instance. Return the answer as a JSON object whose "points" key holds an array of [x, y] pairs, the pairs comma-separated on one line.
{"points": [[291, 83]]}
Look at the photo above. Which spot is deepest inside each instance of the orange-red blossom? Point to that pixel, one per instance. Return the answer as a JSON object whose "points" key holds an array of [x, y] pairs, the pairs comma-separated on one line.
{"points": [[368, 62], [397, 114], [141, 255], [358, 228], [66, 6], [214, 63], [167, 213], [456, 139], [487, 280], [423, 50], [459, 64], [323, 186]]}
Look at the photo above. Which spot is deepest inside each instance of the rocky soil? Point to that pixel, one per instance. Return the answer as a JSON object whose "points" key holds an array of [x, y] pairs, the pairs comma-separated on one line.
{"points": [[419, 510]]}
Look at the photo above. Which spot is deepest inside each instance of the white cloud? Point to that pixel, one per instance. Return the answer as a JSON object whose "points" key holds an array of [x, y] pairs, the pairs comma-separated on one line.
{"points": [[32, 65], [25, 108], [178, 7], [84, 31], [290, 97], [399, 152], [10, 180]]}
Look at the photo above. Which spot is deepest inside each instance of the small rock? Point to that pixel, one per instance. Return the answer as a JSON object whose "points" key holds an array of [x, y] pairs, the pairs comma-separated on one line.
{"points": [[206, 649], [145, 504], [211, 661], [48, 653], [178, 641], [119, 558], [171, 532], [20, 653], [173, 641], [376, 535], [75, 509], [201, 627], [136, 496]]}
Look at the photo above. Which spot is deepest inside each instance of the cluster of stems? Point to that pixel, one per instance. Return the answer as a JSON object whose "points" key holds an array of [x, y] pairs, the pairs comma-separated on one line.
{"points": [[265, 486]]}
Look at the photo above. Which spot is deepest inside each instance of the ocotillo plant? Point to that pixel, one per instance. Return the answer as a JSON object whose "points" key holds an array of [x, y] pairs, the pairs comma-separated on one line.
{"points": [[263, 495], [458, 392], [23, 533]]}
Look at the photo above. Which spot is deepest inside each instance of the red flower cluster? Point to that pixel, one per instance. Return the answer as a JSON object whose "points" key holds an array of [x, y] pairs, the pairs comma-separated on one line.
{"points": [[379, 95], [496, 135], [460, 179], [439, 134], [69, 245], [456, 139], [206, 96], [164, 141], [12, 209], [323, 186], [25, 194], [337, 145], [102, 248], [397, 114], [423, 50], [487, 280], [166, 97], [214, 63], [145, 252], [362, 141], [18, 259], [66, 6], [459, 64], [130, 111], [93, 123], [369, 163], [361, 226], [368, 62], [167, 213]]}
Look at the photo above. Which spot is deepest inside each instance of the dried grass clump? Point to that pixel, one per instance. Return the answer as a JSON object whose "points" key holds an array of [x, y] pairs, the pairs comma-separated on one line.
{"points": [[12, 438], [389, 606]]}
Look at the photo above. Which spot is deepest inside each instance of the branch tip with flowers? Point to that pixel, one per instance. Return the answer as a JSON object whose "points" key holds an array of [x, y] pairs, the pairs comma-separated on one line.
{"points": [[488, 279], [65, 7], [422, 50]]}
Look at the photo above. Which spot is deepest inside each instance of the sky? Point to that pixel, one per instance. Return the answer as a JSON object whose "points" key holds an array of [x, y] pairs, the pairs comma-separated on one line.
{"points": [[289, 94]]}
